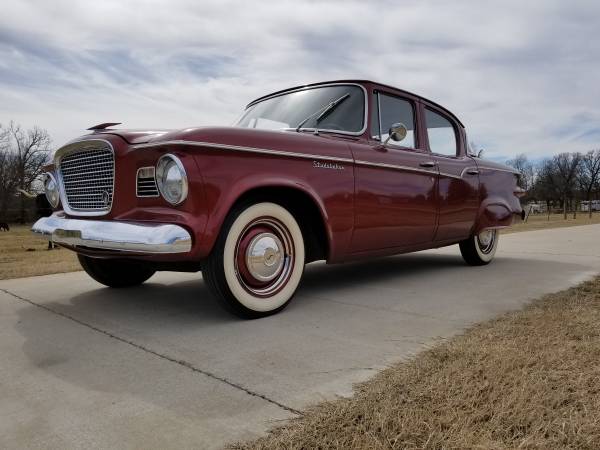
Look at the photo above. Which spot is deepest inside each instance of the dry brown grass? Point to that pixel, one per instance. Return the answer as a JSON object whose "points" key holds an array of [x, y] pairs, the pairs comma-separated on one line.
{"points": [[529, 379], [24, 255], [541, 222]]}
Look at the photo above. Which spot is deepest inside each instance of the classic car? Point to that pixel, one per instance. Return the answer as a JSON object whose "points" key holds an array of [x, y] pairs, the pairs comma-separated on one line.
{"points": [[331, 171]]}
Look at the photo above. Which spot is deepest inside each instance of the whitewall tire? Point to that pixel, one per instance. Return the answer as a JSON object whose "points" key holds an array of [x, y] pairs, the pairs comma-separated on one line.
{"points": [[480, 249], [258, 260]]}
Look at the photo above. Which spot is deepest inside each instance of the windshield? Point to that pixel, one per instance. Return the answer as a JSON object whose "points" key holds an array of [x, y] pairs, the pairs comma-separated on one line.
{"points": [[305, 109]]}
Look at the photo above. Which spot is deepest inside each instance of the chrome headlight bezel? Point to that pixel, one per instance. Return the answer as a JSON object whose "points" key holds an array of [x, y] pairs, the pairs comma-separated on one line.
{"points": [[164, 166], [51, 189]]}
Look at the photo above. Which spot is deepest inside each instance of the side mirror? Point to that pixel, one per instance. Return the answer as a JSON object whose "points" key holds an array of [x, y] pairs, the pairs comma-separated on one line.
{"points": [[398, 132], [480, 153]]}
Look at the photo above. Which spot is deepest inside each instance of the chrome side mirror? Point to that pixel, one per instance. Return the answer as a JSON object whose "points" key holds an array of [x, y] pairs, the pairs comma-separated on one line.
{"points": [[398, 132]]}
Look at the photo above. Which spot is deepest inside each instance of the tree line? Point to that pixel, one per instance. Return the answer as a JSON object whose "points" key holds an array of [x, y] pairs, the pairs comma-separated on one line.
{"points": [[562, 181], [23, 154]]}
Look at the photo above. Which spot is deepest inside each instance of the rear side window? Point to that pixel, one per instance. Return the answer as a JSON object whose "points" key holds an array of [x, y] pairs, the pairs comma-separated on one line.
{"points": [[391, 110], [441, 134]]}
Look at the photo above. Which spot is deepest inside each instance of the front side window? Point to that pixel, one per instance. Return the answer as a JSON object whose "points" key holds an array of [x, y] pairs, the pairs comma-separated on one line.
{"points": [[441, 134], [326, 108], [392, 110]]}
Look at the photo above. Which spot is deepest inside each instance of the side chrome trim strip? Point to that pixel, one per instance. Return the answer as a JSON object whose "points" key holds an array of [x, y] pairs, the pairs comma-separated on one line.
{"points": [[115, 235], [395, 167], [266, 151], [239, 148], [498, 168], [449, 175]]}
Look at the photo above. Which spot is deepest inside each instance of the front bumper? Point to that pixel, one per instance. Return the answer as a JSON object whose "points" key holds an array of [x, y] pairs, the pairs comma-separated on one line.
{"points": [[135, 237]]}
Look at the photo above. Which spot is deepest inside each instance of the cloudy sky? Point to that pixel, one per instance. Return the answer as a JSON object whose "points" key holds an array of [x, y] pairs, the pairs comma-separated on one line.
{"points": [[524, 76]]}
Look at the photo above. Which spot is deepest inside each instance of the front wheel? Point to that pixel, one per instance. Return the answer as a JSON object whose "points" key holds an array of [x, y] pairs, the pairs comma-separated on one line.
{"points": [[480, 249], [258, 260], [116, 273]]}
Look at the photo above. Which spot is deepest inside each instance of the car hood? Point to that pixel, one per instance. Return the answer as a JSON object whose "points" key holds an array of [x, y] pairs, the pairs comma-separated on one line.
{"points": [[135, 136], [250, 137]]}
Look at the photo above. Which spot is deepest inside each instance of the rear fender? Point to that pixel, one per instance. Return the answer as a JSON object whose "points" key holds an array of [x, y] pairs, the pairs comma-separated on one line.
{"points": [[494, 212]]}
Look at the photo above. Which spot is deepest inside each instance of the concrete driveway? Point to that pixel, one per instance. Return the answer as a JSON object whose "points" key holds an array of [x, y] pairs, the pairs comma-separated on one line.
{"points": [[161, 366]]}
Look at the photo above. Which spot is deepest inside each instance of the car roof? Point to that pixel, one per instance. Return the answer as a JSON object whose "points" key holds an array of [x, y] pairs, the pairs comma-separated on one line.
{"points": [[375, 83]]}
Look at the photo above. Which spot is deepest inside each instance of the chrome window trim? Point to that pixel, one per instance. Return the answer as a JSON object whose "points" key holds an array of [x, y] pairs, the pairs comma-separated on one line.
{"points": [[67, 150], [137, 172], [413, 106], [239, 148], [306, 88]]}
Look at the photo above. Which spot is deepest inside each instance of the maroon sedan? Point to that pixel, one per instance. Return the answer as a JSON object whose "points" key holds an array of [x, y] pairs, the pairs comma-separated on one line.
{"points": [[331, 171]]}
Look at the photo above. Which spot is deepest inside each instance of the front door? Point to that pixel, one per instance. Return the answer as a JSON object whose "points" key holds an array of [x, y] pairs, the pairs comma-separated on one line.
{"points": [[396, 184]]}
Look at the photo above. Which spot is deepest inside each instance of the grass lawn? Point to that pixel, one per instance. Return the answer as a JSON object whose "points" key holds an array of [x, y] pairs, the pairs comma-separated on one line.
{"points": [[541, 222], [24, 255], [529, 379]]}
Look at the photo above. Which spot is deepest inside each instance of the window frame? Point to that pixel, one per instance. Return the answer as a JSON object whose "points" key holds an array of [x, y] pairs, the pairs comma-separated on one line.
{"points": [[457, 140], [413, 104]]}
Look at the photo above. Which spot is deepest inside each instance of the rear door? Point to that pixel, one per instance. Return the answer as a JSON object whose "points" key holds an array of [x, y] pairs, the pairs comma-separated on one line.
{"points": [[458, 186]]}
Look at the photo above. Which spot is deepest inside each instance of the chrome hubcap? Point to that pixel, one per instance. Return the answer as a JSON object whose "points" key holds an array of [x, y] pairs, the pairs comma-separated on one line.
{"points": [[486, 240], [264, 256]]}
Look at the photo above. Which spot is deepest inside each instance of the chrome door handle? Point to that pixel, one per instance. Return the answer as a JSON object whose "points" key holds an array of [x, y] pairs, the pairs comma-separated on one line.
{"points": [[428, 164]]}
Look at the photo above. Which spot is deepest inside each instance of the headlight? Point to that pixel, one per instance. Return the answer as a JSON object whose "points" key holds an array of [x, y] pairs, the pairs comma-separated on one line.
{"points": [[51, 190], [171, 179]]}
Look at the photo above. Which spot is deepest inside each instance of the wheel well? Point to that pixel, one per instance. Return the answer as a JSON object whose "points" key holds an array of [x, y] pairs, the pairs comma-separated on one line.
{"points": [[305, 211]]}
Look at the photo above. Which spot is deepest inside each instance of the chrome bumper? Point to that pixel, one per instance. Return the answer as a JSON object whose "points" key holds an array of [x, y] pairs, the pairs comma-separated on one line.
{"points": [[113, 235]]}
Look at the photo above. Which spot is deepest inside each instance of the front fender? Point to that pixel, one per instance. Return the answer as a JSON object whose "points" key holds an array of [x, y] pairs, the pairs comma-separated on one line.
{"points": [[257, 181]]}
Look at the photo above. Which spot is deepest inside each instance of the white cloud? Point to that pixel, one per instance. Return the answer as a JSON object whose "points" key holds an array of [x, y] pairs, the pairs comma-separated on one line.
{"points": [[521, 76]]}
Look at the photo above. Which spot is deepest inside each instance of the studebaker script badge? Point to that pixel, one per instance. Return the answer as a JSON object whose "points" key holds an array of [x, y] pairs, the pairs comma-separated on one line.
{"points": [[327, 165]]}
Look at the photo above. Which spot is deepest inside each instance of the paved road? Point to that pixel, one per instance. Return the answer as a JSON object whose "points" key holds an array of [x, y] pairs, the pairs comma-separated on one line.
{"points": [[161, 366]]}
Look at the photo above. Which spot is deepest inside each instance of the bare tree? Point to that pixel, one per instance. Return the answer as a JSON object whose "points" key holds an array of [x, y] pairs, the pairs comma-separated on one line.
{"points": [[564, 173], [588, 175], [8, 179], [525, 169], [25, 153]]}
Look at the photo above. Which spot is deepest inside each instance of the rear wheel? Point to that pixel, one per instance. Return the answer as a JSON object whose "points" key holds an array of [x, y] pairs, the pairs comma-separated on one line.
{"points": [[258, 260], [116, 273], [480, 249]]}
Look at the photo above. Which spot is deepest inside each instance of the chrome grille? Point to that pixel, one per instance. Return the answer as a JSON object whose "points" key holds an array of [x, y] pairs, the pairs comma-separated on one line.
{"points": [[87, 176], [146, 182]]}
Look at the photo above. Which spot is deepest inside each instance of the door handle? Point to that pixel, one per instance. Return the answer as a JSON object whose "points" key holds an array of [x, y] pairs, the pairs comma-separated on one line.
{"points": [[472, 171], [428, 164]]}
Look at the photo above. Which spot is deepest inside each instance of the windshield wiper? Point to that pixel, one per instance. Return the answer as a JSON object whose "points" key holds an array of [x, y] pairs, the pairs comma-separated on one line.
{"points": [[323, 112]]}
